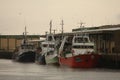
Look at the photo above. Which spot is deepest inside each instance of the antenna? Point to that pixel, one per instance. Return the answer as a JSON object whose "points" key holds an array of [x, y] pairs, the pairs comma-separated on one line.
{"points": [[81, 27], [81, 24], [54, 30], [46, 33]]}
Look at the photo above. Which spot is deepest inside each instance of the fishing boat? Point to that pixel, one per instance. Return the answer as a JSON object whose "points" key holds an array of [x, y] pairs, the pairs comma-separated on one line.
{"points": [[25, 52], [50, 50], [78, 52]]}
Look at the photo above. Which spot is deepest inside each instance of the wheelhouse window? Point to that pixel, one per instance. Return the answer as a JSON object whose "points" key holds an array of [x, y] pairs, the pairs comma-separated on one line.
{"points": [[50, 38], [78, 40], [81, 40], [27, 46], [30, 46], [51, 46], [85, 40], [45, 45], [83, 47]]}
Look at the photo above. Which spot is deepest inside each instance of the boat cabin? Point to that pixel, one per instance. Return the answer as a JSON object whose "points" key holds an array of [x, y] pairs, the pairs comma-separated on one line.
{"points": [[82, 42], [28, 46]]}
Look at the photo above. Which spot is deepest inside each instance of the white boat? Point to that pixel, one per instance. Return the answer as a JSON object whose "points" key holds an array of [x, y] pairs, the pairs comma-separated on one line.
{"points": [[50, 49]]}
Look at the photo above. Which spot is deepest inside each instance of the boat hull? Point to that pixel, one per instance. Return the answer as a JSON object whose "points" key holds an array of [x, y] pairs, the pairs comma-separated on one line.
{"points": [[26, 57], [80, 61], [52, 60], [41, 60]]}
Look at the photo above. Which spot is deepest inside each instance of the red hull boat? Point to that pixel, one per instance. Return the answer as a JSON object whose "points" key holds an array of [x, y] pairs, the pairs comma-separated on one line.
{"points": [[80, 61], [78, 52]]}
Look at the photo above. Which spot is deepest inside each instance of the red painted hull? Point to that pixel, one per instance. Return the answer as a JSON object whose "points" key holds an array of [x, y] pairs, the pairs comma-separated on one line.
{"points": [[80, 61]]}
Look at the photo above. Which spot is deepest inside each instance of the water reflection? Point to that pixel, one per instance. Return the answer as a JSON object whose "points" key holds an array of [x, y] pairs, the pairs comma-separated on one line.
{"points": [[10, 70]]}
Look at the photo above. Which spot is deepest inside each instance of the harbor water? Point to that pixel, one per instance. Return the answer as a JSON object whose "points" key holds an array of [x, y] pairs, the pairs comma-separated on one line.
{"points": [[10, 70]]}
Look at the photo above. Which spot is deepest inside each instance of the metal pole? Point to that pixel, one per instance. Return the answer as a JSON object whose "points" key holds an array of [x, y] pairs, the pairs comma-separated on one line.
{"points": [[0, 41], [8, 43], [50, 26], [62, 28]]}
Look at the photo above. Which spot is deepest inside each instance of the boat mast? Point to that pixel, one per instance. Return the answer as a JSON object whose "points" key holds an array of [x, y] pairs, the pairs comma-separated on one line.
{"points": [[24, 36], [50, 26], [25, 33], [62, 23]]}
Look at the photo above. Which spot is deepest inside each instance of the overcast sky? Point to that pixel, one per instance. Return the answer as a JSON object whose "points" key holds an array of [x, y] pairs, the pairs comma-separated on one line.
{"points": [[36, 14]]}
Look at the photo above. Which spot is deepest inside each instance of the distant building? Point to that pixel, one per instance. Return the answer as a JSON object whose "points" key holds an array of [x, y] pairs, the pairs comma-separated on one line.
{"points": [[9, 42]]}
